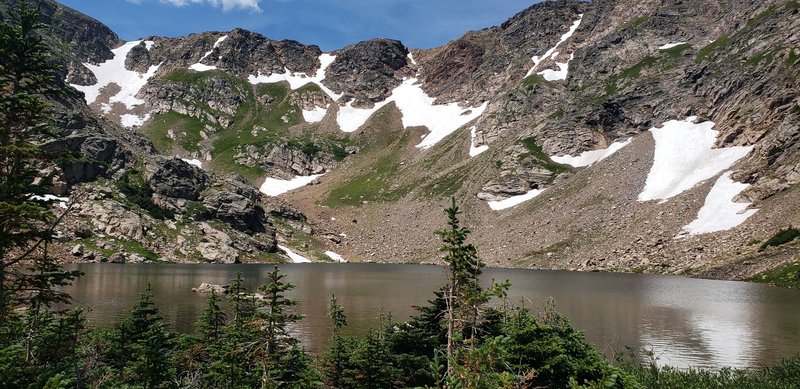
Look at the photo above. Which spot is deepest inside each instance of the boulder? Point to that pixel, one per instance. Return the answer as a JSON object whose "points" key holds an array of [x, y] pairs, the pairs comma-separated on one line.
{"points": [[218, 252], [178, 179], [117, 258], [239, 211], [209, 288], [77, 250]]}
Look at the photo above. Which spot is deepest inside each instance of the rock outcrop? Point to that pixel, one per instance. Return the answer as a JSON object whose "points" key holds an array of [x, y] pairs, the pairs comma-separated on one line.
{"points": [[178, 179]]}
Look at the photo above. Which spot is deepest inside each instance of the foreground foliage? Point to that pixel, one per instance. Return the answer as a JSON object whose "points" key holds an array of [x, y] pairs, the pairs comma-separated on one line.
{"points": [[783, 375]]}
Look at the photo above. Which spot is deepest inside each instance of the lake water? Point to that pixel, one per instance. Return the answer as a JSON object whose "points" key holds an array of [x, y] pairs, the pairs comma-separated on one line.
{"points": [[684, 322]]}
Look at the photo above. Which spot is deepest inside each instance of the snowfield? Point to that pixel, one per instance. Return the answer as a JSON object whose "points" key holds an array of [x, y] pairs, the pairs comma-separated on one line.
{"points": [[588, 158], [113, 71], [684, 157], [297, 80], [418, 109], [719, 212], [203, 68], [276, 186], [552, 51], [514, 200], [296, 258], [475, 151]]}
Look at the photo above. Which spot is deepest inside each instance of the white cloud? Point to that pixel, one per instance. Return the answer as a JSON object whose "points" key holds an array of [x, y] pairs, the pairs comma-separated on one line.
{"points": [[226, 5]]}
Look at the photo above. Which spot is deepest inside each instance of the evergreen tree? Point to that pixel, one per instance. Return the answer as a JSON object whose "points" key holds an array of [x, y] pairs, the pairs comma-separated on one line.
{"points": [[272, 324], [463, 294], [335, 361], [231, 366], [27, 78], [212, 320], [145, 345]]}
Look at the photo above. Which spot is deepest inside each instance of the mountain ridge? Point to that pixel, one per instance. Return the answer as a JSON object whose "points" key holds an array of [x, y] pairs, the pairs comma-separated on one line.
{"points": [[631, 68]]}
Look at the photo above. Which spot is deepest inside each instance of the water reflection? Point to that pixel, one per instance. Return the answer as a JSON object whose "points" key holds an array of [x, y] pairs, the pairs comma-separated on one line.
{"points": [[685, 322]]}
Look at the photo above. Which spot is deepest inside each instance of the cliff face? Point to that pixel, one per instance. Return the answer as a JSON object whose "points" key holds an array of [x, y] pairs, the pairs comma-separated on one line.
{"points": [[548, 128]]}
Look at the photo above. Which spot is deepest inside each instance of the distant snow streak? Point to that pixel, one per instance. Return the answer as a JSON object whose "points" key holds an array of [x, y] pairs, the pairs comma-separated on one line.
{"points": [[514, 200], [296, 258], [204, 68], [552, 53], [671, 45], [335, 257], [194, 162], [588, 158], [720, 212], [277, 186], [684, 156]]}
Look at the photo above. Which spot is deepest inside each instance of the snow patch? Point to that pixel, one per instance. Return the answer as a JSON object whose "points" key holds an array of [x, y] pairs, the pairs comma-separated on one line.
{"points": [[411, 58], [557, 75], [61, 201], [350, 118], [588, 158], [130, 120], [671, 45], [475, 151], [720, 212], [552, 51], [198, 67], [418, 109], [296, 80], [296, 258], [335, 257], [113, 71], [203, 68], [195, 162], [277, 186], [314, 115], [514, 200], [684, 156]]}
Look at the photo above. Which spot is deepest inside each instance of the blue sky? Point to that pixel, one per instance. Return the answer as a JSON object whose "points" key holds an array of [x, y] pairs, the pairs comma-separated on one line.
{"points": [[331, 24]]}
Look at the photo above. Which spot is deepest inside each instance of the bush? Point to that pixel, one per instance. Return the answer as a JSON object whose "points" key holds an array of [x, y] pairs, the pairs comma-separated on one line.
{"points": [[782, 237]]}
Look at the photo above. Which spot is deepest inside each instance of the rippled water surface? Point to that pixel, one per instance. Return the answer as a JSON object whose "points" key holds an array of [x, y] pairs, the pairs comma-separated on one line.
{"points": [[685, 322]]}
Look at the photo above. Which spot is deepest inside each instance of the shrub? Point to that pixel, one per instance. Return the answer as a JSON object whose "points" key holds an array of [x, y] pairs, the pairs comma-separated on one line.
{"points": [[782, 237]]}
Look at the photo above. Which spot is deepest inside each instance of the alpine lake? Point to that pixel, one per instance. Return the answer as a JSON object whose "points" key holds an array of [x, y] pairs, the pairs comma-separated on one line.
{"points": [[678, 321]]}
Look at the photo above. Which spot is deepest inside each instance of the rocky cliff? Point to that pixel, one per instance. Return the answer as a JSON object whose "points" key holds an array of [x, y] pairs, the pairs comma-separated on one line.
{"points": [[612, 135]]}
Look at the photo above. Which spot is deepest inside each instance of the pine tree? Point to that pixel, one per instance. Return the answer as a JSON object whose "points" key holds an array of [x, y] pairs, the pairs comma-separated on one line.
{"points": [[27, 78], [212, 320], [230, 365], [145, 345], [463, 295], [272, 323], [336, 359]]}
